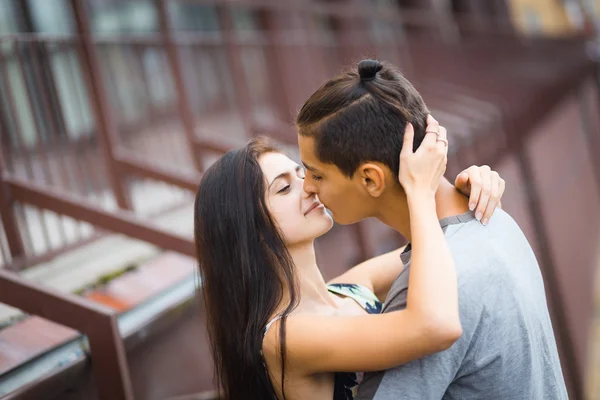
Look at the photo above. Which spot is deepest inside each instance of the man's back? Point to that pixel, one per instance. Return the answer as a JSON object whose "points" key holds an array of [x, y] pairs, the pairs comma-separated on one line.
{"points": [[507, 350]]}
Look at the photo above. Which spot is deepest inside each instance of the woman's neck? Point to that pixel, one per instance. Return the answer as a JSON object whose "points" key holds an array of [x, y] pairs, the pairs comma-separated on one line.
{"points": [[313, 288]]}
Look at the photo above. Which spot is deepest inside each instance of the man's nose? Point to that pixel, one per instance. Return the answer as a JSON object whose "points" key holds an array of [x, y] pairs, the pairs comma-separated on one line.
{"points": [[309, 186]]}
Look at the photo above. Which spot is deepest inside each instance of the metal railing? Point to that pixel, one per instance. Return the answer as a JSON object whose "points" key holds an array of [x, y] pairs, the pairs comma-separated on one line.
{"points": [[88, 119]]}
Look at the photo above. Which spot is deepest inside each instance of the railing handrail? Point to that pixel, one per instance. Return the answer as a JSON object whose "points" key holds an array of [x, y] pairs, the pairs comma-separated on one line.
{"points": [[96, 321]]}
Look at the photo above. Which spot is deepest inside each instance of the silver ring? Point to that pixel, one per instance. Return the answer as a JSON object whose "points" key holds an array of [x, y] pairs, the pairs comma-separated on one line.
{"points": [[437, 133], [442, 140]]}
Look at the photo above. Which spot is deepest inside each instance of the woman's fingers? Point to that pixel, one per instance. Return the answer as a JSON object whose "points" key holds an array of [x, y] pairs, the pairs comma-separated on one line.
{"points": [[442, 140], [409, 137], [442, 148], [485, 191], [431, 134], [484, 188], [407, 146], [473, 185], [496, 192], [462, 183]]}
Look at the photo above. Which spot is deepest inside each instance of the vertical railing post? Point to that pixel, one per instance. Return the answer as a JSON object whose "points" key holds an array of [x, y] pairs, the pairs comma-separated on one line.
{"points": [[278, 63], [233, 51], [444, 18], [109, 361], [183, 101], [99, 99], [9, 221]]}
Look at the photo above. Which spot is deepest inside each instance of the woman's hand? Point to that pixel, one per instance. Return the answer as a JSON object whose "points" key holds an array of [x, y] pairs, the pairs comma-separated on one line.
{"points": [[420, 172], [484, 188]]}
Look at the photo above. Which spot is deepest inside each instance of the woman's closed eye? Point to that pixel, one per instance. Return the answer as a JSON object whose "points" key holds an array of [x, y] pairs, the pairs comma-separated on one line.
{"points": [[284, 189]]}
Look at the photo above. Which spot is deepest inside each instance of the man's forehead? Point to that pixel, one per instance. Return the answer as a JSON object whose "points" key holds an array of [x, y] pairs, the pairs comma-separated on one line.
{"points": [[307, 154], [305, 144]]}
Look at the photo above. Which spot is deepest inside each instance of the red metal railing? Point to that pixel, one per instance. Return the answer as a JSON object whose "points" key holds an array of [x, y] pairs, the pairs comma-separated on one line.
{"points": [[88, 120], [98, 323]]}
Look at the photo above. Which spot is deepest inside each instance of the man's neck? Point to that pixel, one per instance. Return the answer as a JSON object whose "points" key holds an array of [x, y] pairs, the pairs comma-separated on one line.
{"points": [[394, 207]]}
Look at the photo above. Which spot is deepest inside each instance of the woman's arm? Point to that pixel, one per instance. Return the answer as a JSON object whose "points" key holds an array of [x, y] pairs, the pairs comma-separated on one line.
{"points": [[430, 322], [377, 273]]}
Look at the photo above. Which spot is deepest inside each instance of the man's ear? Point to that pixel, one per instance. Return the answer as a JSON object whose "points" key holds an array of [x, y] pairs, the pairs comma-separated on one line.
{"points": [[372, 178]]}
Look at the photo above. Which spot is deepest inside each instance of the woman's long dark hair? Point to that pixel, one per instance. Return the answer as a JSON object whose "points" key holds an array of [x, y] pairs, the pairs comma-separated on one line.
{"points": [[245, 269]]}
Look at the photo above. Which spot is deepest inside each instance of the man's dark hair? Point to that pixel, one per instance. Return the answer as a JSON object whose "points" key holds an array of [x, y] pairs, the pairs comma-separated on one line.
{"points": [[361, 115]]}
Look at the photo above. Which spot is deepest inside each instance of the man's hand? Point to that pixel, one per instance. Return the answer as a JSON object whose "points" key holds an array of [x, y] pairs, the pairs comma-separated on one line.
{"points": [[484, 188]]}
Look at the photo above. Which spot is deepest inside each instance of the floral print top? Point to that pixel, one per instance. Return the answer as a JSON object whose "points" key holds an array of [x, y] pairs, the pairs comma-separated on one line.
{"points": [[360, 293], [346, 383]]}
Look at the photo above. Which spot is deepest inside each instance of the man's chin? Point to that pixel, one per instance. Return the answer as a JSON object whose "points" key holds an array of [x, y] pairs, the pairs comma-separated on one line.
{"points": [[340, 220]]}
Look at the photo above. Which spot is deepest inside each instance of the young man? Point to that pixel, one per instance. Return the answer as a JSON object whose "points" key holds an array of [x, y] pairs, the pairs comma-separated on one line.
{"points": [[350, 134]]}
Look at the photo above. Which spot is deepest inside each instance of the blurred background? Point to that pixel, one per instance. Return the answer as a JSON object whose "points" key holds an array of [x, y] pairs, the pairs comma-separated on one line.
{"points": [[111, 109]]}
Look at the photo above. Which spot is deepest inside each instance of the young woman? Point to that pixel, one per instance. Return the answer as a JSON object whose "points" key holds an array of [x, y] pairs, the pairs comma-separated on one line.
{"points": [[277, 330]]}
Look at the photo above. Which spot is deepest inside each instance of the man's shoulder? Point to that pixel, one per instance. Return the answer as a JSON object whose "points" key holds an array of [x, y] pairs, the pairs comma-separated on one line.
{"points": [[483, 256], [501, 228], [473, 243]]}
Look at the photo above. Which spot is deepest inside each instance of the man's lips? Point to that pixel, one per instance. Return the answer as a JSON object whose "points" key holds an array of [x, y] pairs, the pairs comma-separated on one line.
{"points": [[313, 207]]}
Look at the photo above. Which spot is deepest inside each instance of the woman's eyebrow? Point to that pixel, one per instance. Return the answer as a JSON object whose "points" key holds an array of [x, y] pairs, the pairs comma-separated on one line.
{"points": [[284, 174]]}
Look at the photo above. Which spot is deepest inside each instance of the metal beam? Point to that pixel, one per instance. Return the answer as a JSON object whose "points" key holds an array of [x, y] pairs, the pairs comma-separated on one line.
{"points": [[9, 221], [234, 52], [133, 165], [207, 144], [183, 101], [117, 221], [99, 323], [107, 131]]}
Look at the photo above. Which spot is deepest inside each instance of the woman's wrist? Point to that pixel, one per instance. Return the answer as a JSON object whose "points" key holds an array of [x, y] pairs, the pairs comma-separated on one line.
{"points": [[420, 195], [421, 204]]}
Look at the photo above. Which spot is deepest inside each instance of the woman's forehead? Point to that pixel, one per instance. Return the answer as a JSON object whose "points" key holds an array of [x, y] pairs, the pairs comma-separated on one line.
{"points": [[274, 164]]}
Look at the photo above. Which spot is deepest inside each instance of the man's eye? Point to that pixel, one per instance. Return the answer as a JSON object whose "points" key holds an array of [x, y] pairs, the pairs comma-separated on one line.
{"points": [[316, 177], [285, 189]]}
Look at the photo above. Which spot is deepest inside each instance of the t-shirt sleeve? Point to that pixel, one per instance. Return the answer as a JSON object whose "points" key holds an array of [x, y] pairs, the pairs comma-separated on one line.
{"points": [[426, 378]]}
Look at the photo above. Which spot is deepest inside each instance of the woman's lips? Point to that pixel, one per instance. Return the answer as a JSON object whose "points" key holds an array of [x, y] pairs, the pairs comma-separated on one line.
{"points": [[315, 206]]}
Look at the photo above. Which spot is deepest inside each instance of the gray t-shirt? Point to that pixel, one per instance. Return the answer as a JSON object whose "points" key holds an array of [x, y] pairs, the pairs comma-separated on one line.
{"points": [[507, 349]]}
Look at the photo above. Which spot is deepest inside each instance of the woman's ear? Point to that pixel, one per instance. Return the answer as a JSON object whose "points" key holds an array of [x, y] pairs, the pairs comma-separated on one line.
{"points": [[372, 178]]}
